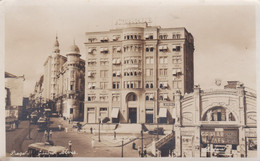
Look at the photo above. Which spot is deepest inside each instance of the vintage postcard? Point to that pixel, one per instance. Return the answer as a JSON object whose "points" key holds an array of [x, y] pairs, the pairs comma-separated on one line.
{"points": [[112, 79]]}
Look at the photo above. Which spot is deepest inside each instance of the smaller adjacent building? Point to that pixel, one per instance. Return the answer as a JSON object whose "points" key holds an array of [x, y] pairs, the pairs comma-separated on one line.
{"points": [[61, 87], [210, 120], [13, 97]]}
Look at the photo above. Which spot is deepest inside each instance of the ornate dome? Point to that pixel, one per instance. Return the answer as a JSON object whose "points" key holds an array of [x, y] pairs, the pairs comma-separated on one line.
{"points": [[74, 48]]}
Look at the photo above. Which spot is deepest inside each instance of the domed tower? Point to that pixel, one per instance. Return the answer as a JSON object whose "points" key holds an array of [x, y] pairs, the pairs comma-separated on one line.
{"points": [[73, 60], [54, 68]]}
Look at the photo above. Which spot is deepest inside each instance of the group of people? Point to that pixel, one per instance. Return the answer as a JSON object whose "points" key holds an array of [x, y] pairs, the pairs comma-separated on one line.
{"points": [[140, 151]]}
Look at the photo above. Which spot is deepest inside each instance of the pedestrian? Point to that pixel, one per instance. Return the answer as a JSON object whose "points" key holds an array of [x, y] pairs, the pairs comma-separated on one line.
{"points": [[170, 153], [69, 121], [92, 142], [145, 151], [139, 151], [91, 130], [16, 124], [133, 146], [114, 135]]}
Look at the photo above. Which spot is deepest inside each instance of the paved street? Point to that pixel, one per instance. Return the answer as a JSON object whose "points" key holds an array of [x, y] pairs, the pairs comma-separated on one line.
{"points": [[18, 139], [81, 141]]}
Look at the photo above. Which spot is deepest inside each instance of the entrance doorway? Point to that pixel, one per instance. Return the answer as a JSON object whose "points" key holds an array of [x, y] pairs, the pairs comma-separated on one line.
{"points": [[132, 115]]}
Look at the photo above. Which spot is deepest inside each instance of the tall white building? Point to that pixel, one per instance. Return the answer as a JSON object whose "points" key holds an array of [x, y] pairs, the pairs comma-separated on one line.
{"points": [[132, 73]]}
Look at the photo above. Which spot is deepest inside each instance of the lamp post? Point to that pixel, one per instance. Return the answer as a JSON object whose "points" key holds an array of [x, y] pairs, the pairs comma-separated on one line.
{"points": [[157, 133], [122, 152], [99, 122], [29, 128]]}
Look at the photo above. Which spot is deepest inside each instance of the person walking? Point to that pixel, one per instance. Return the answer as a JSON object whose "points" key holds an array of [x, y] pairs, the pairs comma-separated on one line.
{"points": [[91, 130], [145, 152], [139, 151]]}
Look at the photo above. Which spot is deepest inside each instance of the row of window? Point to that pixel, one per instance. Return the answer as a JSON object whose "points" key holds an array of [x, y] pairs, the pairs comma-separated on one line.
{"points": [[116, 97], [133, 37], [163, 72], [135, 48], [136, 60], [177, 84], [162, 97], [103, 39]]}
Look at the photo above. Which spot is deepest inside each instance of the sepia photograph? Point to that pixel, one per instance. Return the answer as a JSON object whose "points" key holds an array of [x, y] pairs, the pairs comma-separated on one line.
{"points": [[129, 79]]}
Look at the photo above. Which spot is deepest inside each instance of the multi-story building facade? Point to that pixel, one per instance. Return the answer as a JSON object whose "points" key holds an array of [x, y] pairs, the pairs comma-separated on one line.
{"points": [[64, 82], [132, 73], [215, 123]]}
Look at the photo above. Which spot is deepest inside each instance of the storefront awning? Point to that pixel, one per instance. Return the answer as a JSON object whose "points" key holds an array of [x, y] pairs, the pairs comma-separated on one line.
{"points": [[114, 113], [163, 112]]}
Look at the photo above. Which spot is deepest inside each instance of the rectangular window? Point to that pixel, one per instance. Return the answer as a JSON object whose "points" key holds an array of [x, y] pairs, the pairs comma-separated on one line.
{"points": [[163, 72], [91, 97], [103, 98], [103, 109], [103, 85], [115, 97], [116, 85], [176, 48], [149, 72], [71, 110], [103, 73]]}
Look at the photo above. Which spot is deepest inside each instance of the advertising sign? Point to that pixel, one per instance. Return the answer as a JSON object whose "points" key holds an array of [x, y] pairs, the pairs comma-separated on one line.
{"points": [[225, 136]]}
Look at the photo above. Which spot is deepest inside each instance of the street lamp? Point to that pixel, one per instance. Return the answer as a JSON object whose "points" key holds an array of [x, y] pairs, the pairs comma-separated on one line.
{"points": [[99, 122], [29, 128], [142, 144]]}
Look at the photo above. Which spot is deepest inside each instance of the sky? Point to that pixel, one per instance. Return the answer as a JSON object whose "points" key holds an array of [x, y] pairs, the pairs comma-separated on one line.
{"points": [[224, 34]]}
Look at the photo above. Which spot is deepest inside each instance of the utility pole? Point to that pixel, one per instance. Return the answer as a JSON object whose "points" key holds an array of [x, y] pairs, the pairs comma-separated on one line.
{"points": [[142, 147], [122, 152], [29, 128]]}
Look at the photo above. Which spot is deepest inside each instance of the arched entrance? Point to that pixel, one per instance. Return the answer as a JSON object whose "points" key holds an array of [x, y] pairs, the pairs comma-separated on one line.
{"points": [[131, 100], [218, 140]]}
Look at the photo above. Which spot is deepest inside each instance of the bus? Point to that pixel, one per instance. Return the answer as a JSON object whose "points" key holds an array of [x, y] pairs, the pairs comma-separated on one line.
{"points": [[47, 150]]}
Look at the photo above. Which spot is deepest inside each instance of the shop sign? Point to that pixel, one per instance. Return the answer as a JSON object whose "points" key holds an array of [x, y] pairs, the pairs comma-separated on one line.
{"points": [[250, 133], [167, 104], [227, 136]]}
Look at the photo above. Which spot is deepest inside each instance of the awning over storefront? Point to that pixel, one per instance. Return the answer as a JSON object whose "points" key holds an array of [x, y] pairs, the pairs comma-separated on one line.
{"points": [[163, 112], [114, 113]]}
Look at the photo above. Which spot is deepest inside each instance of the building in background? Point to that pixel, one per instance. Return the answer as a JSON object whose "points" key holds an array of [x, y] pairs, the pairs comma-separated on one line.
{"points": [[132, 73], [62, 88]]}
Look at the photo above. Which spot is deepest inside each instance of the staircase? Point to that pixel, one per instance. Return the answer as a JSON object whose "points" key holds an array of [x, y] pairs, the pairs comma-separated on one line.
{"points": [[128, 128], [151, 148]]}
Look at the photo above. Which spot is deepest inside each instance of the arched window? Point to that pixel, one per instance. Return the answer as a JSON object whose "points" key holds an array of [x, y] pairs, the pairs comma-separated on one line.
{"points": [[151, 86], [218, 114], [147, 85], [131, 97], [146, 98]]}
